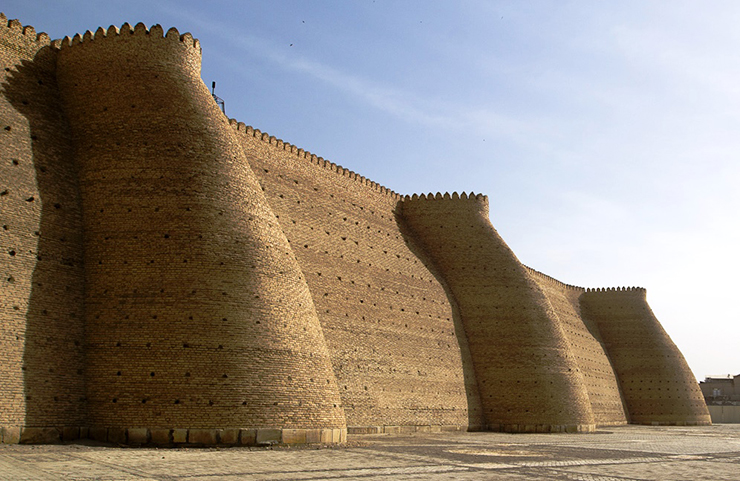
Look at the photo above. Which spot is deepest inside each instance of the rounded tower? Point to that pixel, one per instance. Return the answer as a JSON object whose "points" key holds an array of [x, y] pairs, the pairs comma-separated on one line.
{"points": [[199, 323], [528, 378], [657, 384]]}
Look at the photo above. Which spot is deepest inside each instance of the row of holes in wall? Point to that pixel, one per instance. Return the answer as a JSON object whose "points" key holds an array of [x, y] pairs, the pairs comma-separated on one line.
{"points": [[210, 402], [316, 189]]}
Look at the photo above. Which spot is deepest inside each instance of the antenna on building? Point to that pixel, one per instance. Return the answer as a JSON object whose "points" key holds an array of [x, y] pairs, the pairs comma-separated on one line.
{"points": [[219, 100]]}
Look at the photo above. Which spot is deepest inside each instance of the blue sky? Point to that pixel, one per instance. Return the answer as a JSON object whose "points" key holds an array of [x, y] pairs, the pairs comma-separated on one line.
{"points": [[604, 133]]}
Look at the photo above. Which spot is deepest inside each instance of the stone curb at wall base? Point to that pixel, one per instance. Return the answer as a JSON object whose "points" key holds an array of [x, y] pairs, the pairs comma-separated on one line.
{"points": [[164, 436], [543, 428], [424, 428]]}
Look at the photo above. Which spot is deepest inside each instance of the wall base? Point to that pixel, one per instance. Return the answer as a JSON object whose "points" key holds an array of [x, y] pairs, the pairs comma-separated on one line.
{"points": [[543, 428], [422, 428], [176, 436], [505, 428], [676, 423]]}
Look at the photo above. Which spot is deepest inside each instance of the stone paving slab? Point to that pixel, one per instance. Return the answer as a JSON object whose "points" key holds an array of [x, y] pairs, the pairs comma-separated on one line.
{"points": [[621, 453]]}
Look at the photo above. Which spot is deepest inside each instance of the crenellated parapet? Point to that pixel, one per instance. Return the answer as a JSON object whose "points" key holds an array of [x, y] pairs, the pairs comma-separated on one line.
{"points": [[113, 33], [545, 277], [118, 38], [305, 155], [21, 38], [447, 196], [640, 291]]}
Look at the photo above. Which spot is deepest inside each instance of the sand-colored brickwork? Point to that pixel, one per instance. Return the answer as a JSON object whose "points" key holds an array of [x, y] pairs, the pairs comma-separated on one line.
{"points": [[585, 344], [170, 276], [529, 379], [657, 384], [41, 283], [197, 313], [396, 343]]}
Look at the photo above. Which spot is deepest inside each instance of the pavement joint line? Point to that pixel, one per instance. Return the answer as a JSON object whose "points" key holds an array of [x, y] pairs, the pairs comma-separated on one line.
{"points": [[590, 462]]}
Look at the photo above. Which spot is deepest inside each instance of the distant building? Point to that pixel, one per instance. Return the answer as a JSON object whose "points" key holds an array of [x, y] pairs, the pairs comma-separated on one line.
{"points": [[721, 390]]}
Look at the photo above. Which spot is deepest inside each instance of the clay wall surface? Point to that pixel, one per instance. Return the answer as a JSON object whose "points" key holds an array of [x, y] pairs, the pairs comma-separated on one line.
{"points": [[395, 339], [41, 271], [528, 377], [197, 313], [170, 276], [657, 384], [585, 343]]}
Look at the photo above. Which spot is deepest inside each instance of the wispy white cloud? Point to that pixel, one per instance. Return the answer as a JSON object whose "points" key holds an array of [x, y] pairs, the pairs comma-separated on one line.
{"points": [[402, 104]]}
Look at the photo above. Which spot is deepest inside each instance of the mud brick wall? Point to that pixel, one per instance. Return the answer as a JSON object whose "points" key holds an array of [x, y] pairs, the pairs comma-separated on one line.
{"points": [[657, 384], [171, 276], [395, 339], [528, 377], [585, 344], [197, 313], [41, 270]]}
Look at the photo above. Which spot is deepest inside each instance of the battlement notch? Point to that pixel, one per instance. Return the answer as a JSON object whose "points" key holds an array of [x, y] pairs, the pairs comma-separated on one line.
{"points": [[126, 31], [23, 37]]}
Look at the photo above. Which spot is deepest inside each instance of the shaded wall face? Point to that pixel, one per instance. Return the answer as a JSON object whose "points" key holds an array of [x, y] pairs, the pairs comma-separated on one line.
{"points": [[197, 313], [527, 376], [656, 382], [396, 345], [41, 314], [198, 305], [585, 343]]}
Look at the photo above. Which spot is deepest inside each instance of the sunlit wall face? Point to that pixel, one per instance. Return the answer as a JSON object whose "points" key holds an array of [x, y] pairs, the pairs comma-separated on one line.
{"points": [[602, 133]]}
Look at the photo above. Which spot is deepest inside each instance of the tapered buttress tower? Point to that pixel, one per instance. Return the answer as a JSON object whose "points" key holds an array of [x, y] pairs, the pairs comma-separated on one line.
{"points": [[170, 277], [197, 314]]}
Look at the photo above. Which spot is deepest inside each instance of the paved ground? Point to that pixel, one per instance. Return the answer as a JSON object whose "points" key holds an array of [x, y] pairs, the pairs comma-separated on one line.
{"points": [[623, 453]]}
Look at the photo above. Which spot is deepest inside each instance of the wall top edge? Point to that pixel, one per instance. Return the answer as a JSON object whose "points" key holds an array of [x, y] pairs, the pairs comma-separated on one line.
{"points": [[446, 196], [279, 144], [544, 276], [127, 31], [27, 33], [597, 290]]}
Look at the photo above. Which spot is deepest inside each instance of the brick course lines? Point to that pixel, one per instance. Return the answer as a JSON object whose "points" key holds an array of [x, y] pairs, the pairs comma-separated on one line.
{"points": [[657, 384], [585, 343], [170, 276], [397, 348], [41, 271], [528, 378], [197, 314]]}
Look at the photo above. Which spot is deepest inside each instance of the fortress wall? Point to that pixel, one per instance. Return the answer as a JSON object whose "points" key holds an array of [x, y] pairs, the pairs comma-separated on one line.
{"points": [[231, 280], [585, 343], [198, 315], [398, 351], [657, 384], [41, 271], [528, 377]]}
